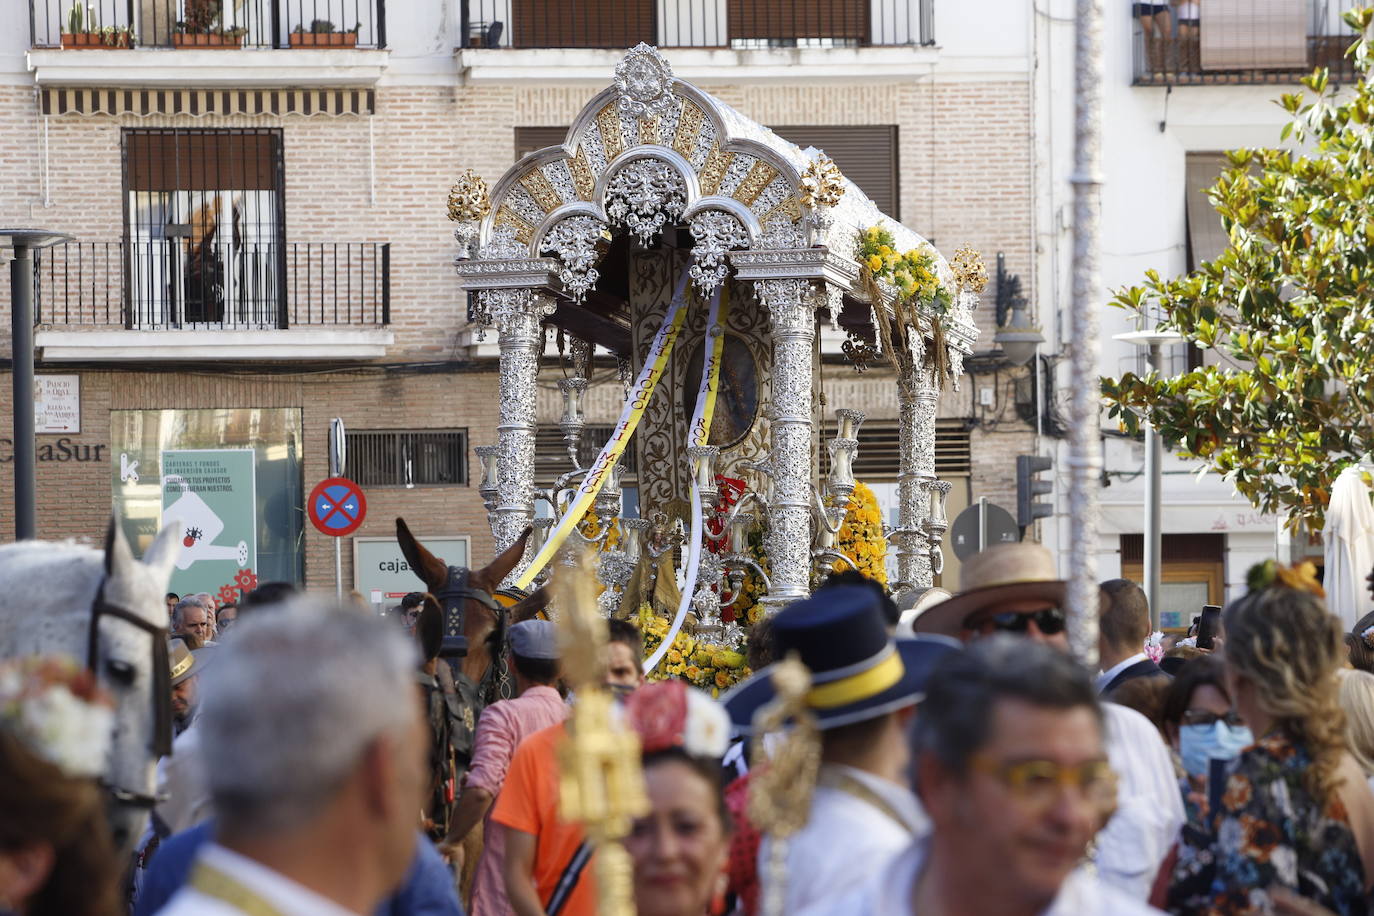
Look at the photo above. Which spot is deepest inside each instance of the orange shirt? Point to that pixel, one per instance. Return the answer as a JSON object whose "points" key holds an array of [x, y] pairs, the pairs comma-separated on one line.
{"points": [[529, 802]]}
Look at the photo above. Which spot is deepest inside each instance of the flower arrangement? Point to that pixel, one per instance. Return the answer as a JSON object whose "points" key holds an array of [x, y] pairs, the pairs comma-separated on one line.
{"points": [[59, 711], [710, 667], [861, 536], [913, 273]]}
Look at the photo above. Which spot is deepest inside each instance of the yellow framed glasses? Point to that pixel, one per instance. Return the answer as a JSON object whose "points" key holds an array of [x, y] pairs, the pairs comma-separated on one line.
{"points": [[1039, 782]]}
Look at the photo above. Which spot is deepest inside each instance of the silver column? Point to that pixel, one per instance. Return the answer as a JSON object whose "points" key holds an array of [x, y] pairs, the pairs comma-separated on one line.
{"points": [[792, 309], [917, 397], [517, 314]]}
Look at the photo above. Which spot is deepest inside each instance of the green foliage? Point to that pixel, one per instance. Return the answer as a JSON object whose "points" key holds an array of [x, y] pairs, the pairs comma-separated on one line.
{"points": [[1288, 309]]}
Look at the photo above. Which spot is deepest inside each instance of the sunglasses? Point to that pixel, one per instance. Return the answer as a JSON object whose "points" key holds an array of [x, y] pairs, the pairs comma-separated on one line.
{"points": [[1049, 621], [1199, 717], [1038, 783]]}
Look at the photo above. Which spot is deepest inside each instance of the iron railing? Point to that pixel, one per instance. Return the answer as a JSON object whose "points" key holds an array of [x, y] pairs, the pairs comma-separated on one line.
{"points": [[166, 285], [1241, 42], [208, 23], [742, 24]]}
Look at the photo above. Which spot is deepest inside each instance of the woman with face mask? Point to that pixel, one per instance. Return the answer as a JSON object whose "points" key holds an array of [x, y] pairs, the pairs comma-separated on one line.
{"points": [[1198, 721], [1295, 811]]}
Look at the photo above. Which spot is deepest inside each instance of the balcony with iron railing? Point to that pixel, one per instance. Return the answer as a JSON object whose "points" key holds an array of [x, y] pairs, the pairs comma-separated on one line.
{"points": [[736, 24], [1241, 42], [160, 299], [207, 24]]}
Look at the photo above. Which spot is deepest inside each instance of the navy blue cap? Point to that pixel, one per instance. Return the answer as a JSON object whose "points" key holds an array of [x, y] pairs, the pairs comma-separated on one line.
{"points": [[534, 639], [858, 671]]}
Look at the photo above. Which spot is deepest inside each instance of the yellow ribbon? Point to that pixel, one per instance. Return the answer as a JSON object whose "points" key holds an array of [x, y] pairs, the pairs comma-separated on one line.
{"points": [[212, 882], [859, 686], [635, 405]]}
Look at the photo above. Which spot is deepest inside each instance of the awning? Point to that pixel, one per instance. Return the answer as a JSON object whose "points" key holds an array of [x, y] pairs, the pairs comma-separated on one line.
{"points": [[199, 102]]}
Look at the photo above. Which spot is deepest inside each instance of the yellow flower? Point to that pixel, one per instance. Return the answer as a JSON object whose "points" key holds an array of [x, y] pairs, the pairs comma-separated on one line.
{"points": [[722, 679], [875, 262], [674, 656]]}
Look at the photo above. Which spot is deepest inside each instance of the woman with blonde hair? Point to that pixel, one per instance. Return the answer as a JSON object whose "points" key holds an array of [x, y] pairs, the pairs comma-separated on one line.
{"points": [[1296, 811], [1357, 701]]}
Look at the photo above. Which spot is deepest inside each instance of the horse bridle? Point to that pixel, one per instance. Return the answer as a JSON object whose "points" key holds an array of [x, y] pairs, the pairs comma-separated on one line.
{"points": [[456, 590], [162, 686]]}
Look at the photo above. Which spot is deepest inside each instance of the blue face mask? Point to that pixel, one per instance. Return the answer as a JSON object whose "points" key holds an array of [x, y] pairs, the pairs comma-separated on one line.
{"points": [[1198, 744]]}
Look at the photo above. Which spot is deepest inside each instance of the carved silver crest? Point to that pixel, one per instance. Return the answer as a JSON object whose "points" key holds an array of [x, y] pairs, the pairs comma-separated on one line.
{"points": [[716, 233], [645, 82], [574, 240], [644, 196], [502, 245]]}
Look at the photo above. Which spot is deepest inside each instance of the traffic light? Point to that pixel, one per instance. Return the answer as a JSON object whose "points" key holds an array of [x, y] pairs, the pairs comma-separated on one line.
{"points": [[1028, 489]]}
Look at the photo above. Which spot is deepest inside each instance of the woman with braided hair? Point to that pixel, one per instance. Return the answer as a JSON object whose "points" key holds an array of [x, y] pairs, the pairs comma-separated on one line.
{"points": [[1294, 811]]}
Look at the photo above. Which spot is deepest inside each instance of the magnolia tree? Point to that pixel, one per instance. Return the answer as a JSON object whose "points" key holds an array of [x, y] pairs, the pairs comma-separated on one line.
{"points": [[1288, 310]]}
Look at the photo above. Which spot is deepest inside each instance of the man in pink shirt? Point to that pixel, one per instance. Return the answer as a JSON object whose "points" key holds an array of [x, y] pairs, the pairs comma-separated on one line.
{"points": [[504, 724]]}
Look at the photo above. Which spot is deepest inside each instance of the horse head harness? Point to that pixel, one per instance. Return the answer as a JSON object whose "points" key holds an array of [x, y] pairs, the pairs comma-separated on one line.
{"points": [[162, 686], [458, 589]]}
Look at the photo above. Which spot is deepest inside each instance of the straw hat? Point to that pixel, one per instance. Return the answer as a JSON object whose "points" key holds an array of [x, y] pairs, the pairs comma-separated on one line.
{"points": [[1006, 572]]}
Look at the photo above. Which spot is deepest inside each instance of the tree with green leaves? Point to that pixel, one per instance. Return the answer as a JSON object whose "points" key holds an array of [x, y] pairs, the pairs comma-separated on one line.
{"points": [[1288, 309]]}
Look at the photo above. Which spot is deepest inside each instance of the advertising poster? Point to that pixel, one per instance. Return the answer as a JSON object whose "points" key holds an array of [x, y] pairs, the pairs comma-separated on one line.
{"points": [[209, 493]]}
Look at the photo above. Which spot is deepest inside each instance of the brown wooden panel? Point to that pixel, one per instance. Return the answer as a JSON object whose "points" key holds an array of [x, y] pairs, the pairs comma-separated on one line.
{"points": [[791, 19], [178, 160], [865, 153], [582, 23], [529, 139]]}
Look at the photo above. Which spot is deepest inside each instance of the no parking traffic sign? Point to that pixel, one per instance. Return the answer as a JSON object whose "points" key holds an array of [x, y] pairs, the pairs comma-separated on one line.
{"points": [[336, 506]]}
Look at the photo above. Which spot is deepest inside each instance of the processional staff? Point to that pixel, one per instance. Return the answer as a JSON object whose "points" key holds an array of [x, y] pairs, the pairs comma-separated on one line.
{"points": [[601, 783]]}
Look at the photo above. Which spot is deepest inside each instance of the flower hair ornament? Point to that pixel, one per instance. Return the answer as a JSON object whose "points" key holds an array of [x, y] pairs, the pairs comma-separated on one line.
{"points": [[1300, 577], [54, 706], [669, 714]]}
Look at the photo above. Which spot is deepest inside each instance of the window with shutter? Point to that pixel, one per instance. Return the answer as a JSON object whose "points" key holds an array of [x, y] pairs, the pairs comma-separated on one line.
{"points": [[614, 24], [1254, 35], [408, 457]]}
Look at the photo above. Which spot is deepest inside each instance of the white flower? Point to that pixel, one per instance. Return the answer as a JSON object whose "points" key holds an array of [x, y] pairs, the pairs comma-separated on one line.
{"points": [[707, 733], [69, 732]]}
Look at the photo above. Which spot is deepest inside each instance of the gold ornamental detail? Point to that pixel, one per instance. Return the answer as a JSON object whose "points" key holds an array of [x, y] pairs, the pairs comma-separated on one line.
{"points": [[822, 185], [537, 183], [688, 129], [524, 232], [467, 199], [713, 171], [608, 124], [970, 273], [582, 177], [760, 175]]}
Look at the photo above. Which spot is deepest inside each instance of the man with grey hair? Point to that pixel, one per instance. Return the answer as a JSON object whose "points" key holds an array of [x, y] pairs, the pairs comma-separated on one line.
{"points": [[313, 721], [190, 618], [1012, 770]]}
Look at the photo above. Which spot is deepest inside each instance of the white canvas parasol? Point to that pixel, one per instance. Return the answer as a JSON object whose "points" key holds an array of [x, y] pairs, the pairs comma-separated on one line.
{"points": [[1349, 537]]}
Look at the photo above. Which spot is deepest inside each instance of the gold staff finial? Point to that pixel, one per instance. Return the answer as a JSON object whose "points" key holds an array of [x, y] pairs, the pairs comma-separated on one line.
{"points": [[600, 783], [780, 791]]}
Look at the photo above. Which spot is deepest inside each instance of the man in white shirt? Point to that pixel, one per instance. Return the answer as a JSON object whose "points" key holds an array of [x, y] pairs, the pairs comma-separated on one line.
{"points": [[865, 690], [1014, 588], [1122, 628], [1011, 766], [320, 768]]}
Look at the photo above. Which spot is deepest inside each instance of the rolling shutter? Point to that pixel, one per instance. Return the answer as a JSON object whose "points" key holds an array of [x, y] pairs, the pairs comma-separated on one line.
{"points": [[793, 19], [615, 24], [865, 153]]}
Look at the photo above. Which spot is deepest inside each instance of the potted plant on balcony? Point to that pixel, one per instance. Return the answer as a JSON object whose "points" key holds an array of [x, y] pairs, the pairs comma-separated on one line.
{"points": [[322, 35], [83, 31], [203, 27]]}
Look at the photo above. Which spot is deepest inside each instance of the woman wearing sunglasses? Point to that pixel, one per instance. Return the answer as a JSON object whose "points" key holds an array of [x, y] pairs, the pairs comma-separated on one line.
{"points": [[1295, 811]]}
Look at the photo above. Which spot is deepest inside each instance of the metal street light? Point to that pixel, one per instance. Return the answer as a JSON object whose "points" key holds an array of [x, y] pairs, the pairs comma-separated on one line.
{"points": [[1152, 340], [1018, 338], [23, 242]]}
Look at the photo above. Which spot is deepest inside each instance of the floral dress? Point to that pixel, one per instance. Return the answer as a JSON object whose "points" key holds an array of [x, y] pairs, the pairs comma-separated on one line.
{"points": [[1268, 832]]}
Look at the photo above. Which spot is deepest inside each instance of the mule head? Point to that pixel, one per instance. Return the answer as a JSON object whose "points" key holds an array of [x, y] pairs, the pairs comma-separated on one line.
{"points": [[489, 577], [431, 570], [429, 628], [125, 656]]}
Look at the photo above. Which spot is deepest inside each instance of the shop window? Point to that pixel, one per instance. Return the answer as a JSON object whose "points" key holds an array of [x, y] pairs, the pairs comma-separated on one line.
{"points": [[408, 457], [229, 478]]}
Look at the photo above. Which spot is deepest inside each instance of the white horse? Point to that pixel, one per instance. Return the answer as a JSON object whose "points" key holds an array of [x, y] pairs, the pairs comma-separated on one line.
{"points": [[106, 610]]}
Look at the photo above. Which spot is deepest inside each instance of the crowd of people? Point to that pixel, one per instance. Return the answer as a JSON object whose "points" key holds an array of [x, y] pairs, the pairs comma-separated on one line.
{"points": [[968, 766]]}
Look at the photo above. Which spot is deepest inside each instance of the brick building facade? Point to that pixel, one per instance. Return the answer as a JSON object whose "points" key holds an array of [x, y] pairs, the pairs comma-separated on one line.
{"points": [[355, 182]]}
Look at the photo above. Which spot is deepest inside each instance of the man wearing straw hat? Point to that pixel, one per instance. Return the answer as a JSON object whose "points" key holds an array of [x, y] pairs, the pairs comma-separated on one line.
{"points": [[865, 687], [1015, 589]]}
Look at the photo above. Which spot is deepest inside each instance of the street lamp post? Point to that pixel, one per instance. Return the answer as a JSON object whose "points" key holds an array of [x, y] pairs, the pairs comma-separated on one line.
{"points": [[23, 242], [1154, 467]]}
